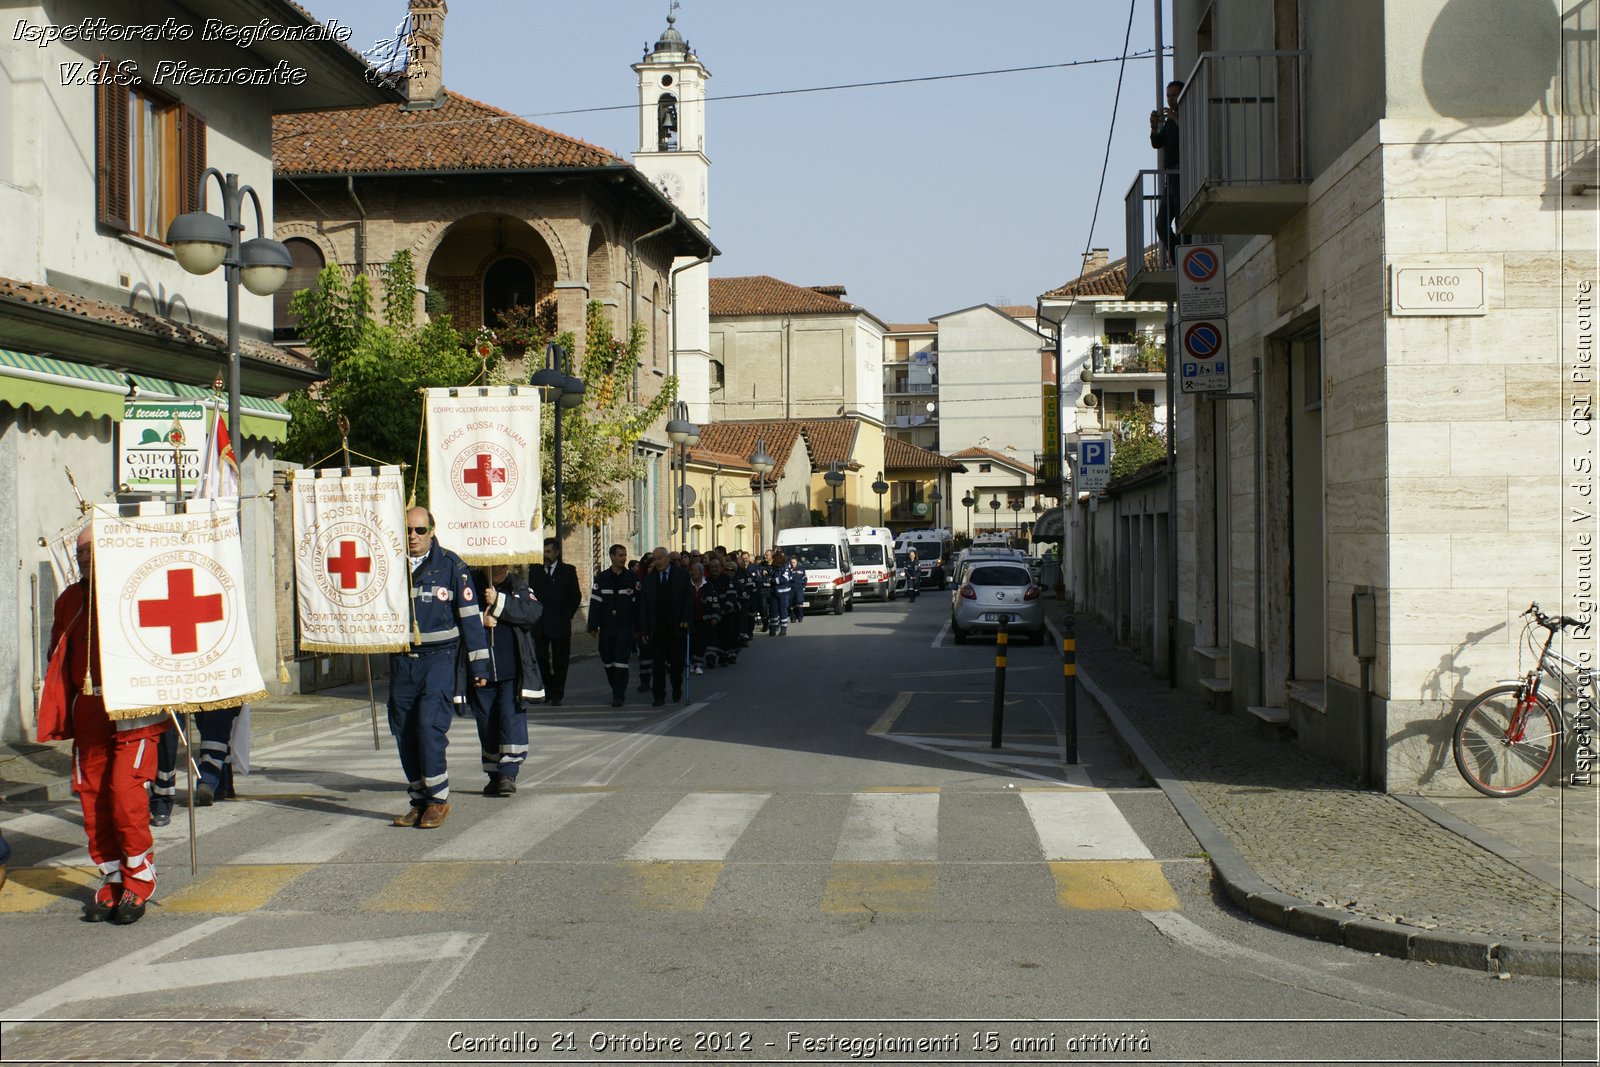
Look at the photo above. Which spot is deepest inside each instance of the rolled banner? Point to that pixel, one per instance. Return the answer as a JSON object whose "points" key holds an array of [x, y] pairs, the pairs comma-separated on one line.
{"points": [[350, 571], [174, 630], [484, 473]]}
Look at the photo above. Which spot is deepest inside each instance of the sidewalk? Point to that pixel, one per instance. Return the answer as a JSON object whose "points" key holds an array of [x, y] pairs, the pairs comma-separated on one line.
{"points": [[1497, 885]]}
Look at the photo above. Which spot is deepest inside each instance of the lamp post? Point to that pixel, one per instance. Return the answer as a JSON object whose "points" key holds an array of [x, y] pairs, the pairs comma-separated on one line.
{"points": [[994, 507], [684, 434], [762, 462], [1038, 509], [880, 487], [564, 391], [201, 242], [968, 500], [1016, 518], [834, 478], [936, 498]]}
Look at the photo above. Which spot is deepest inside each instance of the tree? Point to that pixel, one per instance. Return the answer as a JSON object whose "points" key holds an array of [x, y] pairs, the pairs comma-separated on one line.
{"points": [[1136, 441], [374, 369], [599, 460]]}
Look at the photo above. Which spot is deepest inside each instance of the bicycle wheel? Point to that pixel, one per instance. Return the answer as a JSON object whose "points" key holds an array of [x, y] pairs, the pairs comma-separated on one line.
{"points": [[1489, 759]]}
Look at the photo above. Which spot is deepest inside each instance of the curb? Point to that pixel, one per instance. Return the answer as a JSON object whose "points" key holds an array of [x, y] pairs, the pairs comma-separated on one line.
{"points": [[1260, 900]]}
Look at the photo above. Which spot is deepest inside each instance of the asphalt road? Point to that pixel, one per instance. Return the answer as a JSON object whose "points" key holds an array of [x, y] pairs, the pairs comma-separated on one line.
{"points": [[818, 850]]}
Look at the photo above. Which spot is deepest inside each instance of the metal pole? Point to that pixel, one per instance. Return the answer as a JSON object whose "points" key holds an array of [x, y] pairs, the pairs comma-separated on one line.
{"points": [[558, 473], [232, 204], [1000, 640], [372, 700], [1069, 679]]}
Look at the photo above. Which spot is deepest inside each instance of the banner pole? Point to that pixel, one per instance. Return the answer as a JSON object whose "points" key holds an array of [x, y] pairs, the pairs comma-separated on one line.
{"points": [[372, 700], [193, 771]]}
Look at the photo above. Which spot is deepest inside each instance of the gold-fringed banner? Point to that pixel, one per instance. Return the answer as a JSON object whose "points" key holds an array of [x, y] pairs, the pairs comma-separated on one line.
{"points": [[174, 628], [484, 473], [351, 577]]}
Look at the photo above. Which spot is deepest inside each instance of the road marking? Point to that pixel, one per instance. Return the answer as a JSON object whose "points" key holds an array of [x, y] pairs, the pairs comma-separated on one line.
{"points": [[625, 746], [234, 889], [1082, 826], [329, 834], [1122, 885], [701, 826], [425, 887], [890, 827], [674, 886], [997, 760], [384, 1038], [939, 639], [49, 826], [36, 888], [887, 719], [517, 830], [880, 888]]}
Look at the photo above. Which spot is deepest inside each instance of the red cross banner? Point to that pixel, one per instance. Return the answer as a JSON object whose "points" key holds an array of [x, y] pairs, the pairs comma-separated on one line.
{"points": [[483, 473], [174, 630], [350, 560]]}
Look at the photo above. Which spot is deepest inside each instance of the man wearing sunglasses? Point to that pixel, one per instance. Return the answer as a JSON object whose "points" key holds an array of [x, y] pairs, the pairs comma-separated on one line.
{"points": [[422, 681]]}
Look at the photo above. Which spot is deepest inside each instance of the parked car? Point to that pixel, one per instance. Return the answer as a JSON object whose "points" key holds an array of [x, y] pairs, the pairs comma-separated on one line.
{"points": [[995, 588], [968, 556]]}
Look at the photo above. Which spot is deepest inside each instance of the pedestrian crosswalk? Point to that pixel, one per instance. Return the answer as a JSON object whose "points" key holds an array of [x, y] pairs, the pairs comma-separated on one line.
{"points": [[880, 851]]}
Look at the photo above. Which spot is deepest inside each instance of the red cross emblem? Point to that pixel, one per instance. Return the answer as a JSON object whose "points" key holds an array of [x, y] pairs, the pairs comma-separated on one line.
{"points": [[182, 612], [348, 563], [484, 475]]}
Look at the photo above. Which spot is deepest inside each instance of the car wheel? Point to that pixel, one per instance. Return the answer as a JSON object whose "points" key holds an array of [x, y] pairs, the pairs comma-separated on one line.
{"points": [[838, 603], [850, 602], [957, 634], [1038, 636]]}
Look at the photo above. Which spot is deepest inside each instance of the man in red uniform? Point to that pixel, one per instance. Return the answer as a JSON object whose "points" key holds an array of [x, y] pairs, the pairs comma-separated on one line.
{"points": [[112, 761]]}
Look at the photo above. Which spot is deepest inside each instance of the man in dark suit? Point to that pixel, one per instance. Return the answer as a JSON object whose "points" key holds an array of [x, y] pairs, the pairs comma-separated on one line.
{"points": [[666, 610], [556, 585]]}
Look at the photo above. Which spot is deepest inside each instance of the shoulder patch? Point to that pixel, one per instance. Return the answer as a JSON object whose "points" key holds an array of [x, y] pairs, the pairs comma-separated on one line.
{"points": [[466, 592]]}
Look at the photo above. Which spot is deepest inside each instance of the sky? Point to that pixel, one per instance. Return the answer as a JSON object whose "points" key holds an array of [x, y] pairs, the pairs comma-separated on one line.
{"points": [[920, 198]]}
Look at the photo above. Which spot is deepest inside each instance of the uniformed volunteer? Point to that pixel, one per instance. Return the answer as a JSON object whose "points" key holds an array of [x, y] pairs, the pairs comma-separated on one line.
{"points": [[614, 619], [510, 612]]}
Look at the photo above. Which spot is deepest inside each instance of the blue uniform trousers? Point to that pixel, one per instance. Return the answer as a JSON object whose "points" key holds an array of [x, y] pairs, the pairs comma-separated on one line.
{"points": [[421, 705], [164, 787], [215, 771], [616, 646], [502, 727]]}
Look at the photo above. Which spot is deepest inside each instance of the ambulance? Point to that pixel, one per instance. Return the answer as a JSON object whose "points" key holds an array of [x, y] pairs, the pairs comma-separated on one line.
{"points": [[823, 552], [872, 561]]}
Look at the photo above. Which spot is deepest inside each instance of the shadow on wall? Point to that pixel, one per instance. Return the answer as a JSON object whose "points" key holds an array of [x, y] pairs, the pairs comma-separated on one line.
{"points": [[1444, 686]]}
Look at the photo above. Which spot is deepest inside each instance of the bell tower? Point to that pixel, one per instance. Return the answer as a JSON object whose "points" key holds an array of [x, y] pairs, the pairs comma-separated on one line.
{"points": [[672, 155]]}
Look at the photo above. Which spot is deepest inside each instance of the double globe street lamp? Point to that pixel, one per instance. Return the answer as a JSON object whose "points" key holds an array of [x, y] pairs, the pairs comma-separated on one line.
{"points": [[201, 242], [565, 392], [762, 464], [994, 507], [684, 434], [968, 501], [880, 487], [834, 478]]}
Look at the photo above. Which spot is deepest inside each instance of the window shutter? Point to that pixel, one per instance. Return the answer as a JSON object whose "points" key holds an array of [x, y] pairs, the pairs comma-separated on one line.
{"points": [[111, 155], [191, 159]]}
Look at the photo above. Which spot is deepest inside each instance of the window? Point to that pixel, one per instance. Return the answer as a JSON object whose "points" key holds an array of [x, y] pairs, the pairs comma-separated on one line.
{"points": [[1122, 331], [902, 347], [508, 283], [308, 263], [983, 468], [150, 153]]}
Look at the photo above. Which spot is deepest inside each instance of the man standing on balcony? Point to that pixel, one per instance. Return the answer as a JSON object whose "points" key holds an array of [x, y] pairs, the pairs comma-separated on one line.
{"points": [[1164, 139]]}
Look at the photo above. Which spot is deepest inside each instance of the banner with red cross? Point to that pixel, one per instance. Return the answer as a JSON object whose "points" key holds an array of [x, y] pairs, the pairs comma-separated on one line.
{"points": [[174, 629], [350, 572], [484, 473]]}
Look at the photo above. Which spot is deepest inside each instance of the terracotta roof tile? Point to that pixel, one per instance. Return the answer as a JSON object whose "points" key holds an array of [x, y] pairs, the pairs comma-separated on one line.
{"points": [[1020, 311], [462, 134], [912, 327], [701, 454], [829, 440], [1109, 280], [760, 294], [903, 455], [146, 323], [989, 453]]}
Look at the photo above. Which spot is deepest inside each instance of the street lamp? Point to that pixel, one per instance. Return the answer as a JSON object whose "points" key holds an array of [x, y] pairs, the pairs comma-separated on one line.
{"points": [[834, 478], [684, 434], [201, 242], [762, 464], [564, 391], [880, 487], [969, 501], [935, 498], [1016, 518], [994, 506]]}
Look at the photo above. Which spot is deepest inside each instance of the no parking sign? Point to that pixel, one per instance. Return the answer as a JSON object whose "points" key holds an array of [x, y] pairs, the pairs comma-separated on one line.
{"points": [[1203, 359], [1202, 291]]}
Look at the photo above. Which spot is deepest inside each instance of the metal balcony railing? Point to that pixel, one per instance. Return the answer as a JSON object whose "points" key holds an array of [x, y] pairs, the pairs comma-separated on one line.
{"points": [[1145, 218], [1241, 125], [1578, 84]]}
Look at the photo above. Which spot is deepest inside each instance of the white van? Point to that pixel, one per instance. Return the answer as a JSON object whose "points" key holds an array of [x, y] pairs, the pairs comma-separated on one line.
{"points": [[872, 559], [934, 548], [824, 554]]}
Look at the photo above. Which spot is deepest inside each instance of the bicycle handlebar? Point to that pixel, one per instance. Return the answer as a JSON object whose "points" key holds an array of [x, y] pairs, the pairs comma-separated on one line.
{"points": [[1560, 623]]}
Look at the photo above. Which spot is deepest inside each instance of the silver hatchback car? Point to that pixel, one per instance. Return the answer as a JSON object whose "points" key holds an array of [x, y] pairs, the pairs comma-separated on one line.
{"points": [[995, 588]]}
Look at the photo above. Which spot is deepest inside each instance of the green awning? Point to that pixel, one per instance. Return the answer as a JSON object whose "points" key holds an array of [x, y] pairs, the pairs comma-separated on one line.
{"points": [[258, 416], [48, 384]]}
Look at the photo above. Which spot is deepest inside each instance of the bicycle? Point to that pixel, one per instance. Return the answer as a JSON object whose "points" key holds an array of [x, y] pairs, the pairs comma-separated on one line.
{"points": [[1509, 737]]}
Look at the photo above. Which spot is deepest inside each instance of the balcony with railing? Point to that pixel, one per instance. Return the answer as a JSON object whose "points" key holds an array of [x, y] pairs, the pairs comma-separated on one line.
{"points": [[1241, 138], [1150, 275], [1126, 363], [903, 387]]}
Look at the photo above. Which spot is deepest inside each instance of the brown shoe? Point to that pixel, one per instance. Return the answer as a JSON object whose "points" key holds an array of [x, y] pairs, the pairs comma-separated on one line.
{"points": [[433, 816], [409, 817]]}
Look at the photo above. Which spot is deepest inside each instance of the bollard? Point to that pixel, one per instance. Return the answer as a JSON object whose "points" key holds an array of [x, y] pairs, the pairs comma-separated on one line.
{"points": [[1069, 677], [999, 681]]}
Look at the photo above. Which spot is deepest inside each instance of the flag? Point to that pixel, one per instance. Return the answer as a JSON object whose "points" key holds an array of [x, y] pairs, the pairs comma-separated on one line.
{"points": [[64, 558], [219, 470], [484, 471], [175, 630], [351, 577]]}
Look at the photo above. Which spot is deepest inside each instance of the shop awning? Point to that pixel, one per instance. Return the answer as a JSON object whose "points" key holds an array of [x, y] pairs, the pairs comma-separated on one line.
{"points": [[1047, 528], [44, 383], [258, 416]]}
